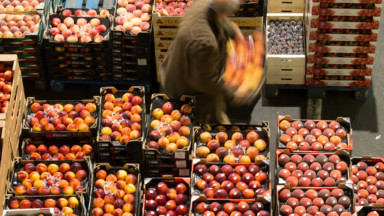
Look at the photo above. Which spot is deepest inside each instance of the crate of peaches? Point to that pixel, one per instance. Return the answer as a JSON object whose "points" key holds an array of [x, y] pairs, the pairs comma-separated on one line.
{"points": [[47, 150], [201, 206], [230, 181], [368, 181], [66, 119], [166, 196], [23, 212], [43, 205], [232, 143], [49, 178], [314, 169], [375, 210], [314, 135], [169, 134], [115, 190], [333, 201]]}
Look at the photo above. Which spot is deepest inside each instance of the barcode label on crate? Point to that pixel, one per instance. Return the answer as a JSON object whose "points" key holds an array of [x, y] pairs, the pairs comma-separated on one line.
{"points": [[181, 164], [179, 155], [142, 62]]}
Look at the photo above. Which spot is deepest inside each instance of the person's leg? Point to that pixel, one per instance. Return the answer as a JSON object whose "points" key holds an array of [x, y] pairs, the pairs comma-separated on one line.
{"points": [[220, 111]]}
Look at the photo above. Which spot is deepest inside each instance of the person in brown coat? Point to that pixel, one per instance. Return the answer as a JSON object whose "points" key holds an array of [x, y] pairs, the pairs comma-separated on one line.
{"points": [[196, 58]]}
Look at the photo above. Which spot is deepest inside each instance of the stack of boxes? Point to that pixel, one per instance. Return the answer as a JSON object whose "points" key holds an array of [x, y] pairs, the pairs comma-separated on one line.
{"points": [[285, 58], [341, 42]]}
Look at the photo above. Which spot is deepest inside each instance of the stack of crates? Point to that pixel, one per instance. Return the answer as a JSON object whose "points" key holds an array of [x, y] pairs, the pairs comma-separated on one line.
{"points": [[249, 18], [132, 55], [28, 46], [79, 60], [341, 42], [285, 66]]}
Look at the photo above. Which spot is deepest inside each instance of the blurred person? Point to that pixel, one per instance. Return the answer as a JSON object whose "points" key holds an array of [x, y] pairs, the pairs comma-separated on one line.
{"points": [[196, 58]]}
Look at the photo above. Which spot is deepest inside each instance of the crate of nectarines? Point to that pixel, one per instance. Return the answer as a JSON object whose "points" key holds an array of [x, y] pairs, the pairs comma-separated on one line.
{"points": [[335, 201], [165, 194], [49, 178], [232, 143], [368, 180], [115, 190], [47, 150], [201, 206], [314, 135], [312, 170], [121, 125], [169, 133], [56, 205], [231, 181], [375, 210], [61, 118]]}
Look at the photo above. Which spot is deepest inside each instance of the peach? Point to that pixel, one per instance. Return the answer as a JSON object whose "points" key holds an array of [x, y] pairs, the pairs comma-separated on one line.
{"points": [[229, 144], [184, 131], [212, 158], [130, 189], [205, 137], [260, 145], [229, 159]]}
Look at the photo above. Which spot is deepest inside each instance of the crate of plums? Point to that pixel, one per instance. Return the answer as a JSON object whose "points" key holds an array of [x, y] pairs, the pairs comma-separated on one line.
{"points": [[285, 36], [170, 132], [165, 195], [337, 201], [306, 135], [368, 180], [232, 143]]}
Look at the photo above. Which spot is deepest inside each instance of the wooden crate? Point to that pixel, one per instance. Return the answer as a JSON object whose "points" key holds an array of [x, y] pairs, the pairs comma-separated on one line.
{"points": [[286, 79], [13, 117], [286, 6], [286, 71], [6, 159]]}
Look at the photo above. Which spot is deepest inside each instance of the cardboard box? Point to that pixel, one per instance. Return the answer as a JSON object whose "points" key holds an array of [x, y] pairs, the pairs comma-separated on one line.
{"points": [[315, 23], [350, 1], [286, 79], [285, 71], [286, 6], [314, 46], [312, 70], [318, 9], [313, 59], [319, 35]]}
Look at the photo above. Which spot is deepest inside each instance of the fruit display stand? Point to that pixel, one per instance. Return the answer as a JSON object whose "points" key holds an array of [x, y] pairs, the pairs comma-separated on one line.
{"points": [[163, 191], [127, 148], [341, 42], [126, 183], [242, 181], [325, 200], [34, 112], [285, 67], [41, 178], [367, 177], [232, 143], [300, 169], [260, 206], [28, 46], [45, 205], [165, 27], [169, 136], [314, 135], [132, 50], [78, 59]]}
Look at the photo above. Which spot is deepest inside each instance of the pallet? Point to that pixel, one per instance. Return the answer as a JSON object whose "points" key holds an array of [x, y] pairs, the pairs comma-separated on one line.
{"points": [[361, 93], [58, 85]]}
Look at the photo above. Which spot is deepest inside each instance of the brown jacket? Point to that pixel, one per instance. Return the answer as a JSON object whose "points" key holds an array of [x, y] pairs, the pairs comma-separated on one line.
{"points": [[196, 57]]}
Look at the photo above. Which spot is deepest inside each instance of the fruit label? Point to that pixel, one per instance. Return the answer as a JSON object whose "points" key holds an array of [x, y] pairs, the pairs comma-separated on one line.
{"points": [[164, 32], [160, 55], [165, 21], [181, 164], [180, 155], [162, 44], [286, 60]]}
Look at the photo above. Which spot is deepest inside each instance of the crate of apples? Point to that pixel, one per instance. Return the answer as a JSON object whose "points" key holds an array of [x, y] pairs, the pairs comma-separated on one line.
{"points": [[38, 151], [166, 196], [133, 16], [368, 180], [312, 170], [67, 117], [170, 127], [5, 86], [62, 205], [49, 178], [203, 207], [116, 190], [230, 181], [19, 26], [314, 135], [232, 144], [122, 114], [317, 201], [77, 29]]}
